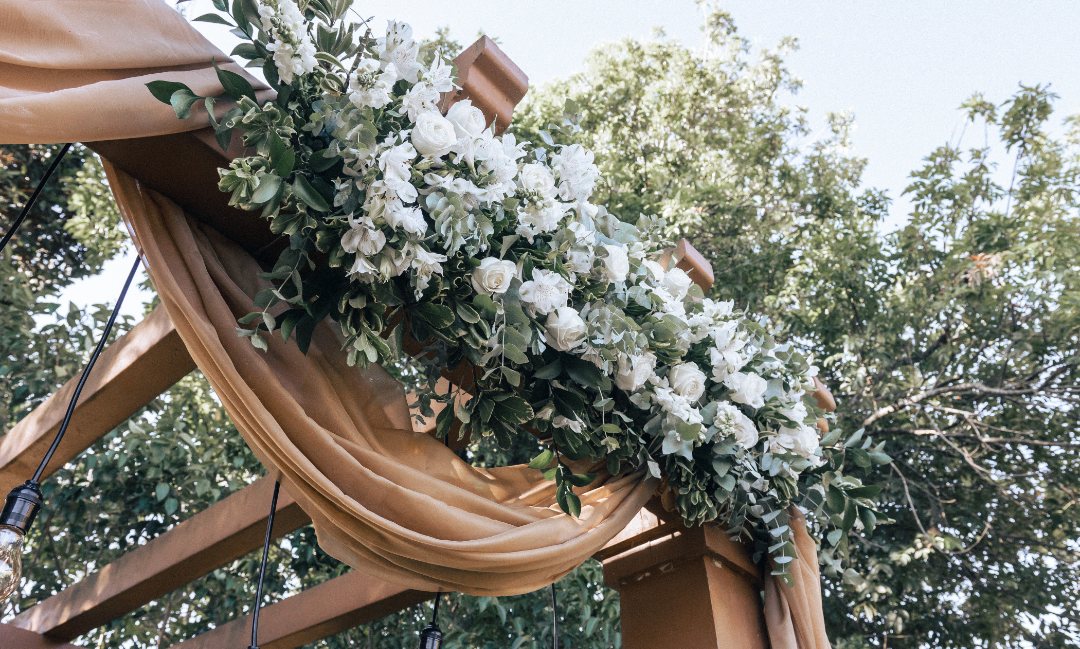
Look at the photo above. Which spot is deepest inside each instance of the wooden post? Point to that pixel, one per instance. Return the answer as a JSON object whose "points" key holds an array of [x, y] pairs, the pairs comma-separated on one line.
{"points": [[691, 588]]}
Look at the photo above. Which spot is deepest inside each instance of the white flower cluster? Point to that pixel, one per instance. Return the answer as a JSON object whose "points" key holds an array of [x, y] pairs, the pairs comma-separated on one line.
{"points": [[434, 188], [294, 53], [686, 415]]}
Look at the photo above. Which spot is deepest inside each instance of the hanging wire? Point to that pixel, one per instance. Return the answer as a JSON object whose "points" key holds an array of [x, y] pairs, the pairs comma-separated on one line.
{"points": [[554, 620], [86, 374], [262, 569], [33, 197], [431, 635]]}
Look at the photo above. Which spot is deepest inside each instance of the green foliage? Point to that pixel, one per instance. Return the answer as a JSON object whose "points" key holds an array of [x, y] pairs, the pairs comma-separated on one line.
{"points": [[54, 246], [954, 339]]}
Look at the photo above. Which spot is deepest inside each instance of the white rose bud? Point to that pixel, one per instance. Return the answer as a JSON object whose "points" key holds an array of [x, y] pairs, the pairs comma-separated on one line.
{"points": [[677, 282], [688, 381], [537, 177], [747, 388], [634, 371], [565, 329], [616, 265], [492, 276], [433, 135], [807, 441], [468, 120]]}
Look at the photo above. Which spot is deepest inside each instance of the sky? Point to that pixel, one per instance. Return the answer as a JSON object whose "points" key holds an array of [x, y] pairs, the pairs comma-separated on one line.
{"points": [[903, 68]]}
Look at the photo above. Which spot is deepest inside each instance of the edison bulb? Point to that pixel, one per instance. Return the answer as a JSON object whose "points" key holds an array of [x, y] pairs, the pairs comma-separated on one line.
{"points": [[11, 545]]}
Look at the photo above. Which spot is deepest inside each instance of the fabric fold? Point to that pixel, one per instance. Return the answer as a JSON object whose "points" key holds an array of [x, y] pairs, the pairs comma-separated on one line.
{"points": [[76, 70], [392, 502]]}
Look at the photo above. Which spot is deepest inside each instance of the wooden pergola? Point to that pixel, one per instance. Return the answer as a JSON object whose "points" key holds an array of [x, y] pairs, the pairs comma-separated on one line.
{"points": [[679, 587]]}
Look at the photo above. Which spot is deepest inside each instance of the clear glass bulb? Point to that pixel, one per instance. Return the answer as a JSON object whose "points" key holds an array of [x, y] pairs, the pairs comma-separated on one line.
{"points": [[11, 545]]}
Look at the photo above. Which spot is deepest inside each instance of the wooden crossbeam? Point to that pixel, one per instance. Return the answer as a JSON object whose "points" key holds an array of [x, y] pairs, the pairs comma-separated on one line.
{"points": [[320, 612], [12, 637], [208, 540], [129, 374]]}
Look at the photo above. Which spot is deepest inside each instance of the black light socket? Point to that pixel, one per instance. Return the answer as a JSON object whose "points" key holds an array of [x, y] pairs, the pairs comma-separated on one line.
{"points": [[22, 506], [431, 637]]}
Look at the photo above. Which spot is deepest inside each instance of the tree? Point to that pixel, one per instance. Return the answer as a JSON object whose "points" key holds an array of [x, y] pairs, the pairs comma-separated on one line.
{"points": [[957, 337], [954, 337]]}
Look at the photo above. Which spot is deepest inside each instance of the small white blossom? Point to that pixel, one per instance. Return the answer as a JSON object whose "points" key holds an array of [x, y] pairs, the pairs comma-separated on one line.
{"points": [[363, 238], [369, 86], [545, 292], [409, 219]]}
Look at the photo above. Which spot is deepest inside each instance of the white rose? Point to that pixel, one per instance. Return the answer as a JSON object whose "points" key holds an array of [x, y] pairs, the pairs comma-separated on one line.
{"points": [[634, 371], [492, 276], [545, 292], [677, 283], [616, 265], [433, 135], [802, 440], [687, 381], [747, 388], [731, 420], [655, 269], [565, 329], [468, 120], [536, 178], [796, 413]]}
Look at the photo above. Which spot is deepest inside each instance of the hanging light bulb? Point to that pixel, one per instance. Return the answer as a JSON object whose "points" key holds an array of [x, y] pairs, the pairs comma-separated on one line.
{"points": [[431, 636], [23, 504]]}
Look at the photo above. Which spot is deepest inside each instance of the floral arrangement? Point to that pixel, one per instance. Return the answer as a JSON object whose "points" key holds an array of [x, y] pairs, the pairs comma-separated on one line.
{"points": [[408, 222]]}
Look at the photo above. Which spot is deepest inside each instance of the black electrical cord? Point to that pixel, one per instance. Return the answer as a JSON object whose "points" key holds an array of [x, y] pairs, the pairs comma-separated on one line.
{"points": [[24, 501], [33, 197], [431, 635], [86, 373], [554, 620], [262, 569]]}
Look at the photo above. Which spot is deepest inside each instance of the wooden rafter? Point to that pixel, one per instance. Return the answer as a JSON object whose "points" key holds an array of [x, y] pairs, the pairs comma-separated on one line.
{"points": [[130, 373]]}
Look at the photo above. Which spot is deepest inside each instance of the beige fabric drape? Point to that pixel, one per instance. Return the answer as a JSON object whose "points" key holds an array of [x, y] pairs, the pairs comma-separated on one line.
{"points": [[397, 504], [793, 616], [75, 70]]}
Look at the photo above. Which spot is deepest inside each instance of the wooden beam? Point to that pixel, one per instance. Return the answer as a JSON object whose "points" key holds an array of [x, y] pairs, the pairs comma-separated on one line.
{"points": [[208, 540], [320, 612], [493, 82], [12, 637], [129, 374]]}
